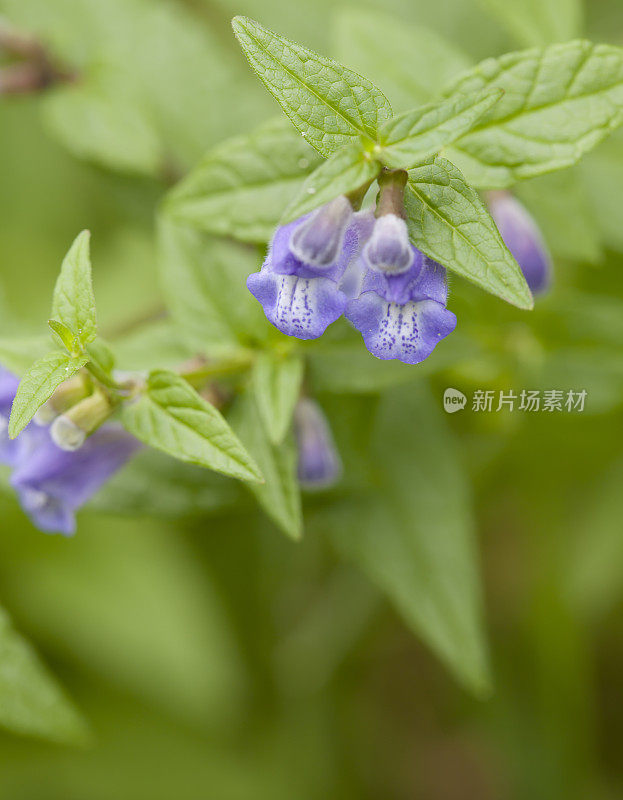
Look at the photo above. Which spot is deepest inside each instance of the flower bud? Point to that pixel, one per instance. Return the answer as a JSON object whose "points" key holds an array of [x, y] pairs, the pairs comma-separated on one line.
{"points": [[389, 249], [319, 465], [318, 240], [69, 430], [68, 394], [523, 238]]}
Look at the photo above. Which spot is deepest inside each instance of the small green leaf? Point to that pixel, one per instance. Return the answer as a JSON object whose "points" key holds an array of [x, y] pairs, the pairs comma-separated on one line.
{"points": [[276, 383], [204, 286], [448, 221], [415, 536], [73, 302], [31, 702], [280, 495], [559, 102], [101, 356], [65, 337], [172, 417], [415, 135], [347, 169], [539, 22], [327, 102], [38, 385], [241, 188], [411, 64]]}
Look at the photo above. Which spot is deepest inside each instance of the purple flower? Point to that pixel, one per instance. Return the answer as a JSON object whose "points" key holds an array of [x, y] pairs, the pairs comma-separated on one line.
{"points": [[319, 464], [298, 285], [53, 483], [9, 449], [523, 238], [400, 309]]}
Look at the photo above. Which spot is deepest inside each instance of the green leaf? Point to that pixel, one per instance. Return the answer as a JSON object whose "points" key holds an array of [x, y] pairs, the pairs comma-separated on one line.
{"points": [[172, 417], [241, 188], [204, 284], [154, 485], [328, 103], [415, 536], [539, 22], [17, 355], [64, 336], [73, 302], [346, 170], [448, 221], [38, 385], [102, 356], [97, 119], [31, 702], [279, 495], [163, 635], [415, 135], [410, 64], [559, 102], [276, 383]]}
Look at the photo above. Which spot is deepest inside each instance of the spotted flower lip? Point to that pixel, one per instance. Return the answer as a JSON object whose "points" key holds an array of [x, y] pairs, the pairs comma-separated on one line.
{"points": [[522, 236], [52, 483], [302, 299], [319, 464], [403, 316]]}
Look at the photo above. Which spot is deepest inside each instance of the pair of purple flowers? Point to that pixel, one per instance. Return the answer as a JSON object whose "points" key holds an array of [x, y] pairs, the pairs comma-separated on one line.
{"points": [[53, 483], [336, 261]]}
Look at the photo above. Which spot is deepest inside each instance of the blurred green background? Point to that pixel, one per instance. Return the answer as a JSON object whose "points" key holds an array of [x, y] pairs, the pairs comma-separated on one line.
{"points": [[211, 656]]}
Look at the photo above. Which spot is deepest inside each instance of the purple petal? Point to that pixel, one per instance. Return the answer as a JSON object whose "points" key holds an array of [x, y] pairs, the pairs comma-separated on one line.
{"points": [[8, 388], [523, 238], [389, 250], [317, 241], [53, 483], [319, 464], [425, 280], [9, 449], [408, 332], [302, 307]]}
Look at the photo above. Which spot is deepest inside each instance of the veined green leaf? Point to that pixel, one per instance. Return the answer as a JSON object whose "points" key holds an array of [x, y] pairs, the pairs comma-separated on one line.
{"points": [[448, 221], [415, 537], [241, 188], [539, 22], [38, 384], [559, 102], [280, 495], [172, 417], [204, 285], [276, 383], [415, 135], [73, 302], [327, 102], [31, 702], [346, 170], [411, 64]]}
